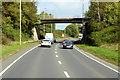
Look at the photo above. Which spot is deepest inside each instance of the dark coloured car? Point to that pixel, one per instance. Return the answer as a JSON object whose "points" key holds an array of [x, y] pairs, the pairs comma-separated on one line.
{"points": [[68, 44], [54, 40], [64, 40]]}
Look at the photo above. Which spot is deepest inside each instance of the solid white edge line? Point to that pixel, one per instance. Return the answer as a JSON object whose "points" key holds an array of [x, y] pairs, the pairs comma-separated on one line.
{"points": [[56, 55], [16, 60], [66, 74], [96, 60], [59, 62]]}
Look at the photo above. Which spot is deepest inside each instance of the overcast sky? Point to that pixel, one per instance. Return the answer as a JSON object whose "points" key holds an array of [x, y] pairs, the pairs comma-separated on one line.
{"points": [[63, 9]]}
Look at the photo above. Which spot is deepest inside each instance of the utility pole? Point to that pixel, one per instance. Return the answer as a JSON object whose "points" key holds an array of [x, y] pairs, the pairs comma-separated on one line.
{"points": [[98, 11], [51, 24], [20, 22], [51, 28], [44, 18]]}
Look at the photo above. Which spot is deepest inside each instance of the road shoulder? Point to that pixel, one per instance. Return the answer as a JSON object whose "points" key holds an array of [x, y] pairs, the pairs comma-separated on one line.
{"points": [[113, 67], [8, 61]]}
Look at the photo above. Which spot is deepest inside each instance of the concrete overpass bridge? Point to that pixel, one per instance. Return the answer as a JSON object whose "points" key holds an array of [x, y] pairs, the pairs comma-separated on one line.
{"points": [[65, 20], [83, 21]]}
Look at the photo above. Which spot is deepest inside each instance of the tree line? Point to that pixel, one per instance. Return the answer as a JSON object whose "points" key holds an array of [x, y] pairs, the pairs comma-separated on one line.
{"points": [[29, 19], [45, 28], [103, 25], [11, 20]]}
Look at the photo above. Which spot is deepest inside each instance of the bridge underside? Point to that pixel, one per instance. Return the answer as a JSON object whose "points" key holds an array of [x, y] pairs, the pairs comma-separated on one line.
{"points": [[65, 20]]}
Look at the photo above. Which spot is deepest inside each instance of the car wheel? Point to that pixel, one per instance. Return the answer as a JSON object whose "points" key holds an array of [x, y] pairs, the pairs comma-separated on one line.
{"points": [[63, 47]]}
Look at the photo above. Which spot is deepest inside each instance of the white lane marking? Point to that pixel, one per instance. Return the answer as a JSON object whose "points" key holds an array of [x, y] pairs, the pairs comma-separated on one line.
{"points": [[55, 49], [55, 52], [59, 62], [66, 74], [56, 55], [97, 61], [16, 60]]}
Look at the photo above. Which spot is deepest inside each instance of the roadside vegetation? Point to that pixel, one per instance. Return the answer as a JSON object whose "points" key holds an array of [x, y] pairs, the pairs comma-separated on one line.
{"points": [[46, 28], [109, 55], [101, 35], [102, 31], [103, 26], [72, 30], [58, 35], [11, 23], [10, 50]]}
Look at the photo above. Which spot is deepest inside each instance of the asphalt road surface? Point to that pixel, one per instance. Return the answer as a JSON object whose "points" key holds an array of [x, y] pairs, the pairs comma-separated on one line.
{"points": [[56, 62]]}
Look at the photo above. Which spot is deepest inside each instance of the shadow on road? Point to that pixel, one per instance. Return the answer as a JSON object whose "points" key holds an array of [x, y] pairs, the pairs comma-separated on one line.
{"points": [[44, 46], [64, 48]]}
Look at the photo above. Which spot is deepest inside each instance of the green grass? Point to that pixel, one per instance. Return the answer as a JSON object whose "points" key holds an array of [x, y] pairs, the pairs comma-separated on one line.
{"points": [[7, 49], [105, 53]]}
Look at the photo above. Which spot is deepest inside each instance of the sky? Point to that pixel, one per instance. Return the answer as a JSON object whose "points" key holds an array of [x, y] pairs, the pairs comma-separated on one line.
{"points": [[63, 9]]}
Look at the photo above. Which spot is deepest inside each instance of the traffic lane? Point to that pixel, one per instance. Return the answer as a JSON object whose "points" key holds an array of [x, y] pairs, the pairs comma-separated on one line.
{"points": [[69, 40], [39, 63], [79, 66]]}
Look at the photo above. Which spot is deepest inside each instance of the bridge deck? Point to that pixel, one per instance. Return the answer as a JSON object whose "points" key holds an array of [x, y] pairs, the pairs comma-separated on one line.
{"points": [[65, 20]]}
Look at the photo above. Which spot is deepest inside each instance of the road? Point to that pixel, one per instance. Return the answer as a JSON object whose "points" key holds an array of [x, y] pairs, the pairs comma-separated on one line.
{"points": [[56, 62]]}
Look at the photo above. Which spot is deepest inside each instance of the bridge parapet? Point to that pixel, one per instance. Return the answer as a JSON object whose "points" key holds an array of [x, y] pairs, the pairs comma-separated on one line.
{"points": [[65, 20]]}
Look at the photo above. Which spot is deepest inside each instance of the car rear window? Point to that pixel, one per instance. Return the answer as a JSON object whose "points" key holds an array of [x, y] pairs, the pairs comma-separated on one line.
{"points": [[65, 40], [46, 40], [68, 42]]}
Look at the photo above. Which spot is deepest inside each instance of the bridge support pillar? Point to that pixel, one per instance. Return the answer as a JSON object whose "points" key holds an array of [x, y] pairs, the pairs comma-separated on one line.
{"points": [[35, 35], [84, 30]]}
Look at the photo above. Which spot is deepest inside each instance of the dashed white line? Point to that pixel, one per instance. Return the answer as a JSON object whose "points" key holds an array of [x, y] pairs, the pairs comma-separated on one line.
{"points": [[66, 74], [55, 52], [56, 55], [59, 62], [55, 49], [16, 60]]}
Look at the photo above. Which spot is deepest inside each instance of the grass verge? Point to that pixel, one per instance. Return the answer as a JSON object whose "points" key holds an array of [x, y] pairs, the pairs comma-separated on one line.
{"points": [[9, 50], [108, 55]]}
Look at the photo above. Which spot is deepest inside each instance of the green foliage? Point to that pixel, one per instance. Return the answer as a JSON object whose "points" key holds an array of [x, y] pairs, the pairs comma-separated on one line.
{"points": [[47, 26], [107, 35], [11, 20], [72, 30], [12, 48], [104, 53], [104, 16], [58, 33]]}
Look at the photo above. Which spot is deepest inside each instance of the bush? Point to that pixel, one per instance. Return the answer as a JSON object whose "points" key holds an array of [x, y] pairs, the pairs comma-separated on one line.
{"points": [[5, 40], [9, 35], [107, 35]]}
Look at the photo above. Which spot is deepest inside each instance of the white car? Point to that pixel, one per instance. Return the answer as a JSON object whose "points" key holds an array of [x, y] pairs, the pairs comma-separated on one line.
{"points": [[46, 42]]}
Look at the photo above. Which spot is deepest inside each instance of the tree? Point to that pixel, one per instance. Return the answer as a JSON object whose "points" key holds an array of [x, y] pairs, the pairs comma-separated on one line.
{"points": [[47, 26], [11, 19], [104, 15], [72, 30]]}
